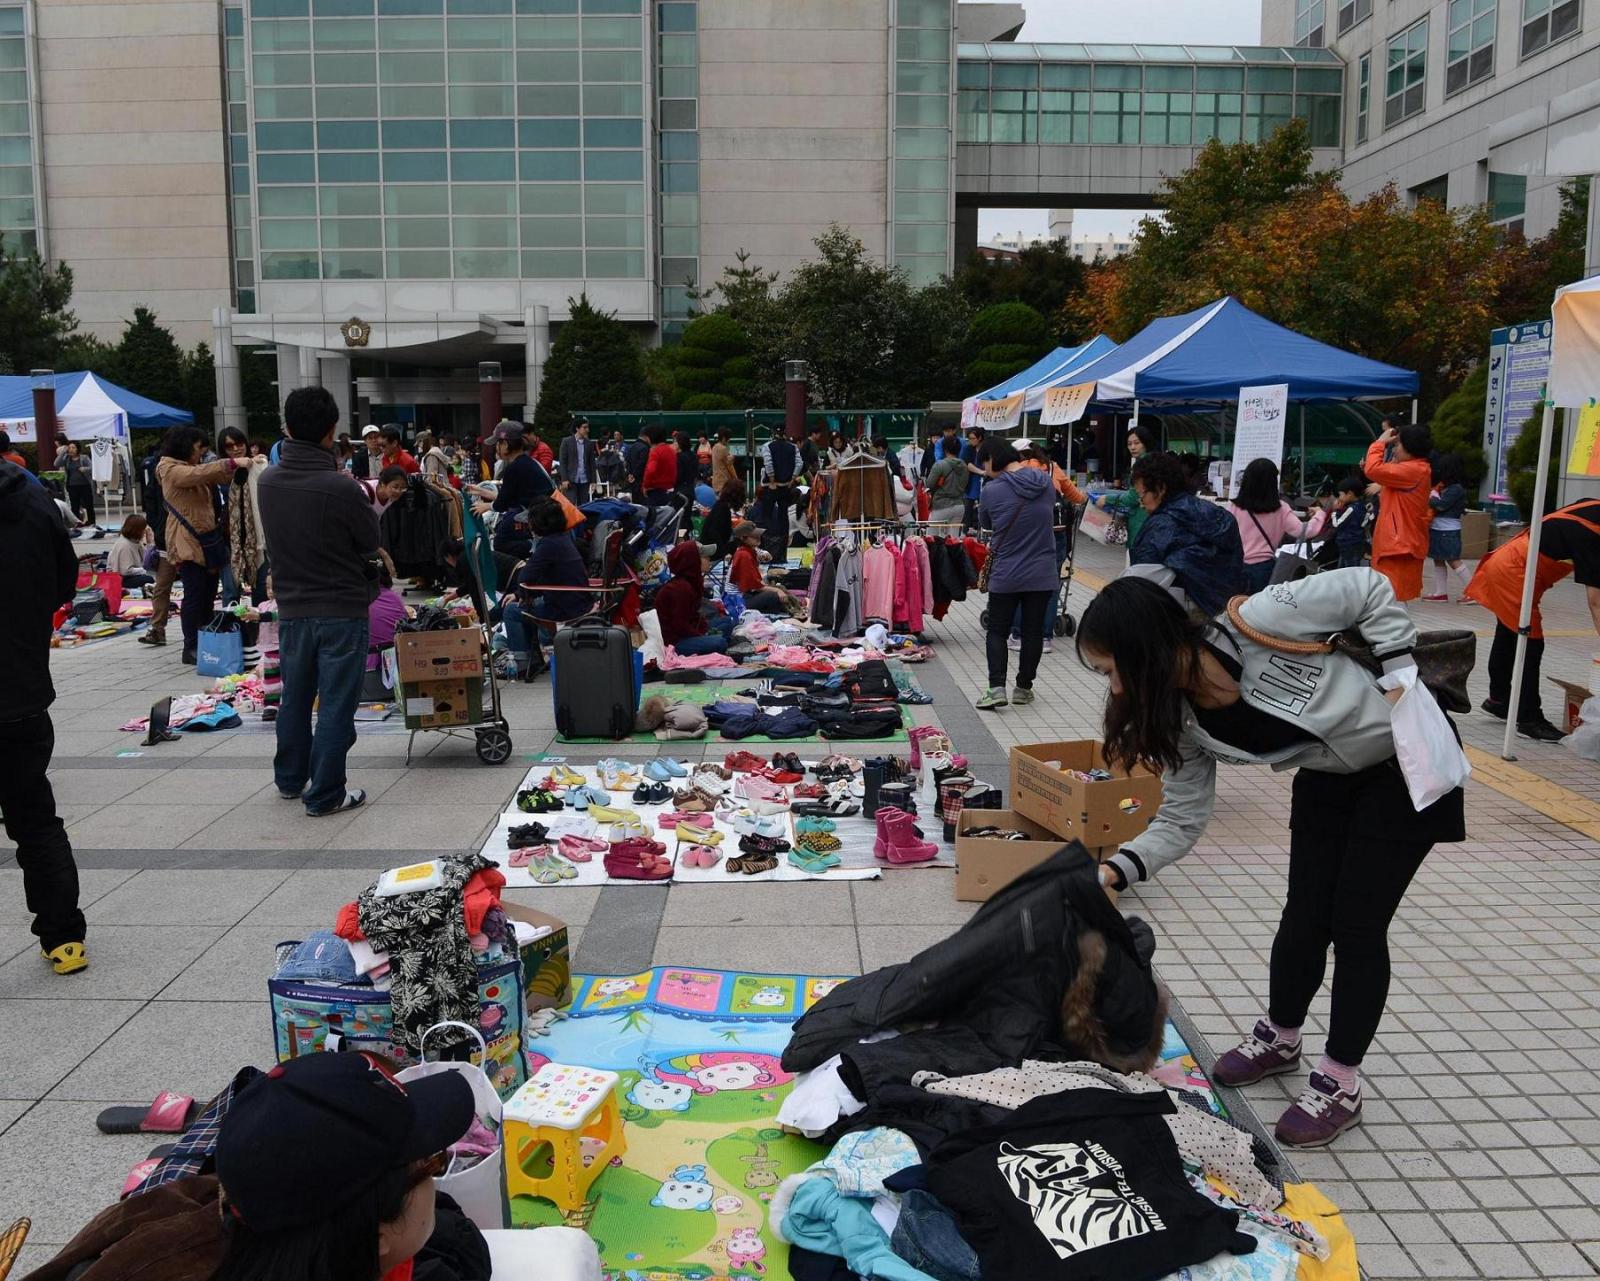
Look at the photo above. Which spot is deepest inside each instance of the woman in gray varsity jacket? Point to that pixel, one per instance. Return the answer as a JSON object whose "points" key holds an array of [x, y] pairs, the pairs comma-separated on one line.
{"points": [[1187, 693]]}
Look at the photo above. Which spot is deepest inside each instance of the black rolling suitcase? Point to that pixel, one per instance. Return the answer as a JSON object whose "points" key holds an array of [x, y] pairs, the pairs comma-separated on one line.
{"points": [[595, 696]]}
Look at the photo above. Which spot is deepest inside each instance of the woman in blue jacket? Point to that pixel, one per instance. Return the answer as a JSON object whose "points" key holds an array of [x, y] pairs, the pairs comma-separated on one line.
{"points": [[1018, 506]]}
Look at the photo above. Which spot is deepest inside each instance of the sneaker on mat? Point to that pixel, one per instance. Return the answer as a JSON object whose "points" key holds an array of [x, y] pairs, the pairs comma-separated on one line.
{"points": [[991, 699], [1320, 1115], [1258, 1055], [1540, 729]]}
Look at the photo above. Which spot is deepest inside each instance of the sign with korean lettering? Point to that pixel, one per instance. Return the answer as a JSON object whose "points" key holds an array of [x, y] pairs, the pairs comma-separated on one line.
{"points": [[1263, 413], [1519, 365]]}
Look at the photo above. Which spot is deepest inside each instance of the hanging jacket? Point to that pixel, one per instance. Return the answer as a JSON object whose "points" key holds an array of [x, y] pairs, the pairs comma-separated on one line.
{"points": [[1199, 542]]}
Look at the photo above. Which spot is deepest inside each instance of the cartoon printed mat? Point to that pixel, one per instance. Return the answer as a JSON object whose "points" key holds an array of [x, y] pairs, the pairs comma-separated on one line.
{"points": [[710, 692], [698, 1052]]}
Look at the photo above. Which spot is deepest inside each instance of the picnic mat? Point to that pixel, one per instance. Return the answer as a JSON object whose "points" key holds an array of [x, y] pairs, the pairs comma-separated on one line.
{"points": [[709, 692], [856, 834], [701, 1084]]}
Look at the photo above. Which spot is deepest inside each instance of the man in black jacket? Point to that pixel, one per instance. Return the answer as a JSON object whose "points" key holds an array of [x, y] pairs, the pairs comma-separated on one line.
{"points": [[38, 572], [322, 543]]}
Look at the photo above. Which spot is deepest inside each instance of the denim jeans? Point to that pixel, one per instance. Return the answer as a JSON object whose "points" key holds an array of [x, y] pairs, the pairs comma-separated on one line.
{"points": [[710, 643], [323, 659], [927, 1237], [517, 639]]}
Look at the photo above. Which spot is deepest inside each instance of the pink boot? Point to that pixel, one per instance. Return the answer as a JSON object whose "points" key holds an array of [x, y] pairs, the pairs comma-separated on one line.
{"points": [[889, 814], [900, 843]]}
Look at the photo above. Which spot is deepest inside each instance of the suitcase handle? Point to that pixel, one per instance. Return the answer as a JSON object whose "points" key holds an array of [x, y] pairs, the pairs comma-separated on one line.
{"points": [[590, 640]]}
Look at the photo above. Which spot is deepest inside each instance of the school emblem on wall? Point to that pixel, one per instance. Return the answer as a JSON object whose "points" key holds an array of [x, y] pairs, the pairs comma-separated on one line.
{"points": [[356, 331]]}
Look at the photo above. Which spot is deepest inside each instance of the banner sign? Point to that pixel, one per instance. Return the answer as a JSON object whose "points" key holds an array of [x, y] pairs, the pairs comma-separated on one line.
{"points": [[1584, 457], [997, 415], [1519, 365], [1263, 412], [1064, 405]]}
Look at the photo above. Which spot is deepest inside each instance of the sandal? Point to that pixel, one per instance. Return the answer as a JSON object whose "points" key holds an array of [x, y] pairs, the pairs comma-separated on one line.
{"points": [[527, 834], [832, 807], [752, 864], [169, 1114], [535, 800]]}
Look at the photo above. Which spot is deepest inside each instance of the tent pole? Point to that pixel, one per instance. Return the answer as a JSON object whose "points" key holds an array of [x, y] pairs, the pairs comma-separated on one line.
{"points": [[1525, 615], [1302, 449]]}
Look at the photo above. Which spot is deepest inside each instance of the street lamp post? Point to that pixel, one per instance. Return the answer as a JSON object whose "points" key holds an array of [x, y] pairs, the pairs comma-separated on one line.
{"points": [[44, 416]]}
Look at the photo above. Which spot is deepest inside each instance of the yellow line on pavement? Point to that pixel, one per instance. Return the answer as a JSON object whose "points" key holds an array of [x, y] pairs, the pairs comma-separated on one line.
{"points": [[1089, 578], [1550, 799]]}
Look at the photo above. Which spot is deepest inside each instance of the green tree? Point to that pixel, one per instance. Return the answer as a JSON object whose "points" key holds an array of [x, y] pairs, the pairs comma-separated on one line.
{"points": [[88, 352], [34, 315], [258, 370], [595, 363], [200, 386], [1004, 339], [710, 368], [930, 346], [1522, 464], [1457, 425], [1041, 275], [149, 360], [1537, 268]]}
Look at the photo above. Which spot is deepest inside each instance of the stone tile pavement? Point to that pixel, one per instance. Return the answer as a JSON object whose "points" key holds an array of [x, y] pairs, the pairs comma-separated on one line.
{"points": [[1477, 1159]]}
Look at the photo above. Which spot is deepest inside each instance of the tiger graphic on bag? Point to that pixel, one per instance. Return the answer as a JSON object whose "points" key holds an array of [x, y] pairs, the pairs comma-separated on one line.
{"points": [[1078, 1197]]}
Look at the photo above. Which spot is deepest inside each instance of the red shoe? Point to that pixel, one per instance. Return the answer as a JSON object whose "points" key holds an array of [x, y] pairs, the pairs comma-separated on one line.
{"points": [[783, 777], [743, 762], [810, 792], [1441, 596]]}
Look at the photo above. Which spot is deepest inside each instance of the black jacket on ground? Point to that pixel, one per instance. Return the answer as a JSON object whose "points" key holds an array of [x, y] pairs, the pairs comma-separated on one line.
{"points": [[322, 535], [994, 991], [38, 573]]}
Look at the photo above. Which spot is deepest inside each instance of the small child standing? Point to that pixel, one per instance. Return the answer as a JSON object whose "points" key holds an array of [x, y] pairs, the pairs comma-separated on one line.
{"points": [[1349, 521], [1449, 501]]}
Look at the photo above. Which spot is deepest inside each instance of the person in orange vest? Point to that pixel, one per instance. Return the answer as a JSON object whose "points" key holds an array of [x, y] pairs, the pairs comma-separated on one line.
{"points": [[1570, 544], [1404, 479]]}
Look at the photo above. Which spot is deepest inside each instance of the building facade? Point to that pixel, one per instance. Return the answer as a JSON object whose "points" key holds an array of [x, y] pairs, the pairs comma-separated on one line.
{"points": [[1473, 102]]}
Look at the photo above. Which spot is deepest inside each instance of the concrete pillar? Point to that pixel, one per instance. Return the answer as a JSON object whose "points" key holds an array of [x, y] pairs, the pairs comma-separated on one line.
{"points": [[288, 373], [966, 232], [225, 357], [536, 327], [335, 372]]}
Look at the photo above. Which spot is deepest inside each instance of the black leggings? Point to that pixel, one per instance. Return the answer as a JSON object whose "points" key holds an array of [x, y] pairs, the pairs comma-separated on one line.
{"points": [[1345, 885], [1502, 660], [199, 600], [1002, 610]]}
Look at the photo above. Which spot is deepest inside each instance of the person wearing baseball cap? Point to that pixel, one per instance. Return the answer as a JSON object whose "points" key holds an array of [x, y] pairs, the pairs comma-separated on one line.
{"points": [[744, 572], [368, 462]]}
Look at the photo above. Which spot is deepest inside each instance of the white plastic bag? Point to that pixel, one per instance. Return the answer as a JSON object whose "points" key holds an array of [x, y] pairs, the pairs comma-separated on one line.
{"points": [[480, 1189], [1585, 739], [1430, 757]]}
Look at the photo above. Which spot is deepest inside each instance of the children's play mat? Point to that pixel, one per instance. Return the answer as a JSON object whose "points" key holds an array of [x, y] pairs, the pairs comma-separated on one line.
{"points": [[698, 1053]]}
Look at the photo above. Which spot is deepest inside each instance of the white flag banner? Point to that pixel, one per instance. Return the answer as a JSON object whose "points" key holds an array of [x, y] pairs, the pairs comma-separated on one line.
{"points": [[1064, 405], [998, 415], [1258, 431]]}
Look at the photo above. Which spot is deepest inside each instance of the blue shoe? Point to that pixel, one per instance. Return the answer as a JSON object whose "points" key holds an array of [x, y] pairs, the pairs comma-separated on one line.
{"points": [[597, 796], [674, 768], [656, 772], [577, 798]]}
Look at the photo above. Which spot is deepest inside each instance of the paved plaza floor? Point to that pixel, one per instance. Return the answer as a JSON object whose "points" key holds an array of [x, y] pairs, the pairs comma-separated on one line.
{"points": [[1478, 1153]]}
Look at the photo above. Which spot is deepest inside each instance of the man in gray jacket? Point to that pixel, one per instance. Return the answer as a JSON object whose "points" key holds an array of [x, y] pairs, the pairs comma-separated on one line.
{"points": [[578, 459], [322, 544]]}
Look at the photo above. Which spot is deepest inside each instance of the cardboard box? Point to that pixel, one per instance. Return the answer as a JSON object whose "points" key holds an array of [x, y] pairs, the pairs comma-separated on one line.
{"points": [[984, 866], [1505, 532], [441, 704], [1477, 534], [1572, 698], [442, 655], [546, 962], [1102, 813]]}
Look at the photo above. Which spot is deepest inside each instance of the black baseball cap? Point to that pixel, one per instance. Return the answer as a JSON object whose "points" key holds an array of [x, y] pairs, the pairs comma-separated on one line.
{"points": [[313, 1133]]}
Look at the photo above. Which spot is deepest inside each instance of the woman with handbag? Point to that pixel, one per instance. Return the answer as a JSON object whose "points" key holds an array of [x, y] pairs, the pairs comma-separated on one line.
{"points": [[1188, 692], [197, 543], [1266, 521], [1020, 574]]}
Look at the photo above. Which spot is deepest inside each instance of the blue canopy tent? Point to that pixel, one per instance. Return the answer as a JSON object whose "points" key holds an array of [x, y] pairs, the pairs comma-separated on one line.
{"points": [[87, 407], [1057, 369]]}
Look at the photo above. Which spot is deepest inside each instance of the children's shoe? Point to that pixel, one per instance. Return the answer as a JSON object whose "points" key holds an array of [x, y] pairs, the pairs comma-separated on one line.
{"points": [[991, 699], [811, 824], [674, 767], [698, 856], [697, 835], [1321, 1114], [536, 800], [782, 777], [809, 791], [714, 784], [527, 834], [742, 762], [581, 849], [810, 862], [693, 801], [674, 818], [747, 823], [820, 842], [1259, 1055], [901, 844], [829, 807], [1021, 697], [652, 794], [525, 856], [656, 772], [624, 830]]}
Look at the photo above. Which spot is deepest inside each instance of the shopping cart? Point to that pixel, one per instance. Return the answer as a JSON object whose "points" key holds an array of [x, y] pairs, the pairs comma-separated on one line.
{"points": [[1068, 517]]}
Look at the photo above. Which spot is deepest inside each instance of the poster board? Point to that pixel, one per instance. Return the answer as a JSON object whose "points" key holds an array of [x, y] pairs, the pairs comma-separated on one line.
{"points": [[1263, 412], [1000, 415], [1063, 405], [1519, 365]]}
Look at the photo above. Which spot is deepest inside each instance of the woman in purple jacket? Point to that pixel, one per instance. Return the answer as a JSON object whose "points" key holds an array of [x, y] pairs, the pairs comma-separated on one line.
{"points": [[1018, 508]]}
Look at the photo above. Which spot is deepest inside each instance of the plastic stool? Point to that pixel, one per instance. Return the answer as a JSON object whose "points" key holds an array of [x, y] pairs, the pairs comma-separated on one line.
{"points": [[574, 1110]]}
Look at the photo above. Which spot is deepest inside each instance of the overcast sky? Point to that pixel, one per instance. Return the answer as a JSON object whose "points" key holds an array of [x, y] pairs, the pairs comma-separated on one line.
{"points": [[1149, 21]]}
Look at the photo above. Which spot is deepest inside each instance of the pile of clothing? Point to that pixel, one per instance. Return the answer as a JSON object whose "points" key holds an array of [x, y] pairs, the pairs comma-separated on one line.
{"points": [[989, 1100]]}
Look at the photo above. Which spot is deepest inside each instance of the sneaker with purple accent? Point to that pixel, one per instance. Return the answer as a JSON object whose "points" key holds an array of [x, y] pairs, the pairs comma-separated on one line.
{"points": [[1258, 1055], [1321, 1114]]}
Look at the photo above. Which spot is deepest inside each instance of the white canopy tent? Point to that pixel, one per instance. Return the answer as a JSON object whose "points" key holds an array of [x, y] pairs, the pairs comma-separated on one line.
{"points": [[1573, 381]]}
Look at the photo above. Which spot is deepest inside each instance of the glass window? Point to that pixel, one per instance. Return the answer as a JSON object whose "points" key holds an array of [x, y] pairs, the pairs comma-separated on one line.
{"points": [[247, 298], [478, 6], [615, 233], [1022, 75], [922, 109], [921, 271], [1469, 55], [411, 68], [347, 166], [16, 182], [483, 201], [617, 198], [1352, 12], [614, 264], [675, 17], [488, 65], [1309, 23], [282, 69], [483, 166], [290, 266], [352, 233], [284, 137], [1218, 115], [547, 33], [280, 37], [1321, 114], [972, 75], [416, 200], [1508, 196], [1271, 79], [613, 133], [972, 115], [1405, 83], [1174, 79], [238, 148], [677, 82], [548, 133], [1116, 116], [686, 269], [352, 266], [1065, 117], [1061, 76], [415, 166], [921, 175], [547, 100], [418, 233], [348, 135], [419, 266], [1219, 79], [1169, 119], [288, 233], [484, 233], [341, 8], [482, 33], [553, 265], [364, 202], [288, 202], [1112, 76], [549, 166], [611, 6], [485, 264], [1264, 113], [922, 46], [346, 68], [347, 33], [243, 242], [680, 241], [680, 146], [1013, 115], [289, 168], [678, 177], [413, 100], [556, 198], [422, 34], [624, 166], [483, 133], [482, 100], [919, 238], [922, 77], [607, 64], [406, 135], [923, 13], [552, 233], [547, 6], [1363, 96], [676, 113], [614, 33], [1544, 22], [680, 210], [409, 8], [279, 8], [921, 206], [356, 102], [14, 118], [14, 54], [547, 67], [232, 22]]}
